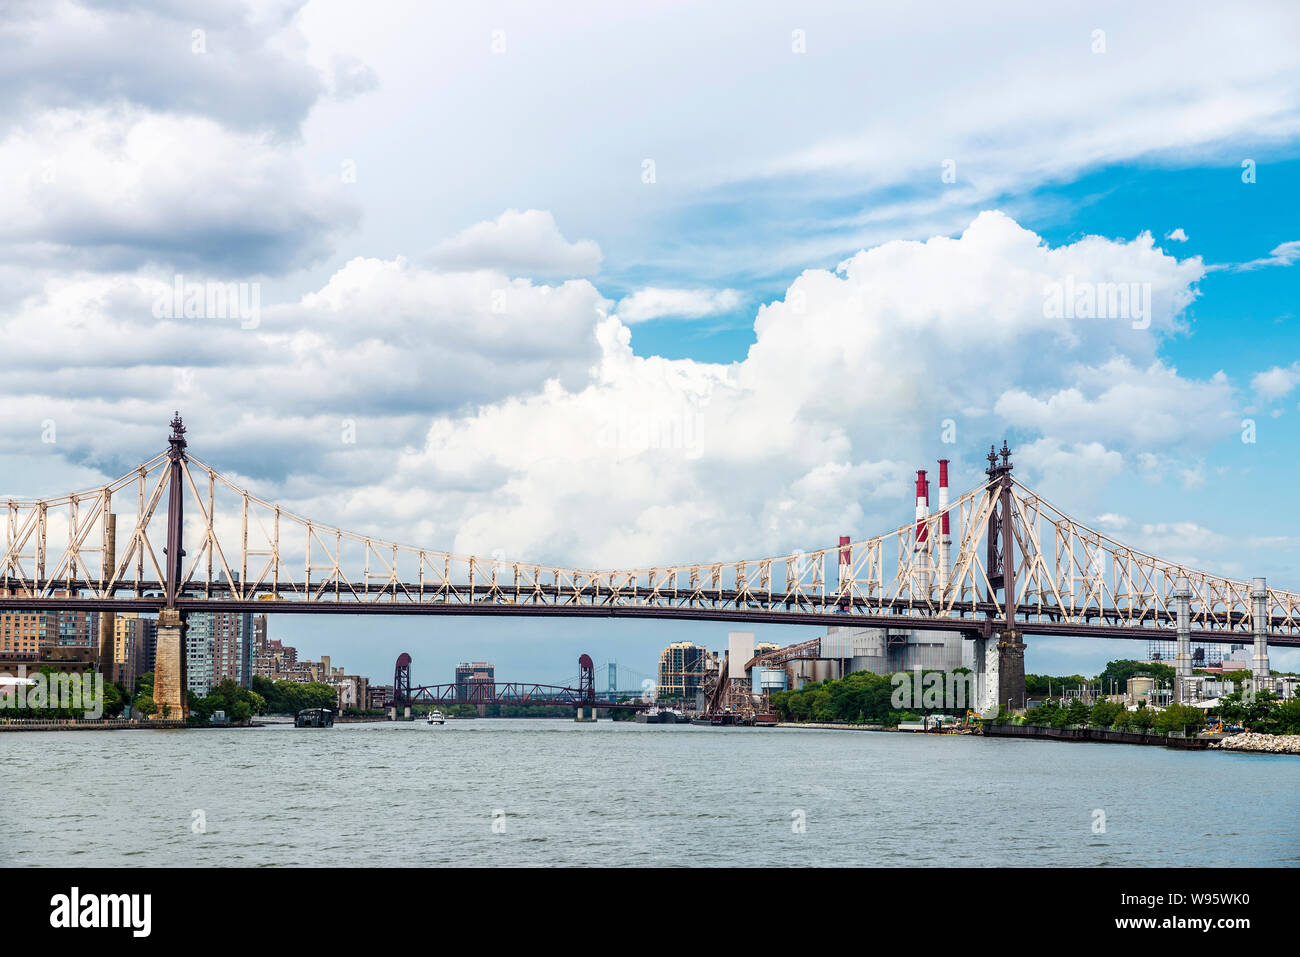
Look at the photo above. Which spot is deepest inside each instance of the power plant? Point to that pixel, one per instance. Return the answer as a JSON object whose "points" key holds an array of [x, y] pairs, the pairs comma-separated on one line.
{"points": [[736, 689]]}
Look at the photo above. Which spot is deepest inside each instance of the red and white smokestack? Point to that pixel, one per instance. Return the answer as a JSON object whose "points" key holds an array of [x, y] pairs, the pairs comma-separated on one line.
{"points": [[845, 570], [945, 540], [921, 549]]}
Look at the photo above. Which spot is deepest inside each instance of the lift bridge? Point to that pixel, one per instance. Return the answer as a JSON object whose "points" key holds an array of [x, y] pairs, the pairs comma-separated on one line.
{"points": [[175, 536]]}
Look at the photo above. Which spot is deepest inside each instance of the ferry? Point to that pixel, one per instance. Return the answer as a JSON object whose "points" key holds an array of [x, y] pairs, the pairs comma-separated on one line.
{"points": [[662, 716], [436, 717], [314, 718]]}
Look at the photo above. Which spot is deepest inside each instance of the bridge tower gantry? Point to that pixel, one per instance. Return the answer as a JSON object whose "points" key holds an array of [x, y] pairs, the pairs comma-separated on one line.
{"points": [[169, 664], [999, 648]]}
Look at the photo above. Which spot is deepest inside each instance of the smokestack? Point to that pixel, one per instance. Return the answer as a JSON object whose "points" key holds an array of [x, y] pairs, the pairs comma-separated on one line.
{"points": [[921, 549], [922, 506], [945, 541], [846, 569]]}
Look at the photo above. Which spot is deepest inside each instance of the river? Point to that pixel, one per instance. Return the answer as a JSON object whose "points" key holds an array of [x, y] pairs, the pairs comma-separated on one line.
{"points": [[544, 792]]}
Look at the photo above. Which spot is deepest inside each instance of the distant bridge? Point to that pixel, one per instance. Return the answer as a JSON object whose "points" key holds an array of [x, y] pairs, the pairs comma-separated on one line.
{"points": [[473, 692]]}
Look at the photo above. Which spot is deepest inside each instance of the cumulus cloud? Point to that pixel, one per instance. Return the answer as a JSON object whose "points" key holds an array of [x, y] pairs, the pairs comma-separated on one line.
{"points": [[381, 343], [527, 243], [1277, 382], [1178, 235], [815, 432], [237, 64], [1119, 403], [551, 439], [655, 303], [117, 188]]}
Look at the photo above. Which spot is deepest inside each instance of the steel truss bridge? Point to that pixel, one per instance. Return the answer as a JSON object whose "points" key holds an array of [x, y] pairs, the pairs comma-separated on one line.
{"points": [[475, 692], [177, 534]]}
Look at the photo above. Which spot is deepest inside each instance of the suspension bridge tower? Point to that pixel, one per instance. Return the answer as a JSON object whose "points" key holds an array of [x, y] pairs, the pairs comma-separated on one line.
{"points": [[999, 647], [169, 665]]}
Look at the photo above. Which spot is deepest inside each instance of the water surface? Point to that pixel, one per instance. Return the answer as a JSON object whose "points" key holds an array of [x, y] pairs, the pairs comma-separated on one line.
{"points": [[543, 792]]}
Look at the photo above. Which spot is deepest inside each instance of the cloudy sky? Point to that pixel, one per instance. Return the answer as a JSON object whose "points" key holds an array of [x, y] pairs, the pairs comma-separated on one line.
{"points": [[667, 282]]}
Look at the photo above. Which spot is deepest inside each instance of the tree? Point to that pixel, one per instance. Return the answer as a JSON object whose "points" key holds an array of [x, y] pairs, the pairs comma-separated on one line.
{"points": [[1104, 713], [1117, 673], [144, 705], [1077, 713], [1180, 719], [1248, 713], [1143, 719]]}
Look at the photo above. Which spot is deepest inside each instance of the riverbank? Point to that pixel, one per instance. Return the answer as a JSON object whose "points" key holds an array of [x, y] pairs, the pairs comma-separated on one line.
{"points": [[1264, 743], [826, 726], [83, 724], [1105, 735]]}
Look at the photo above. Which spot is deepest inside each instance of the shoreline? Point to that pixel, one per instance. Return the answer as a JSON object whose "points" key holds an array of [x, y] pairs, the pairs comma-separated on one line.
{"points": [[1245, 742]]}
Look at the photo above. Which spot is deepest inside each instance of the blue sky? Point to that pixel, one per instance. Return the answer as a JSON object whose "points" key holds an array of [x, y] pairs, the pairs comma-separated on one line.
{"points": [[487, 236]]}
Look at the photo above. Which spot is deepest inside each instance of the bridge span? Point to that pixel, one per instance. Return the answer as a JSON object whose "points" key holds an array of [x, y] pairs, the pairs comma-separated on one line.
{"points": [[175, 536], [583, 698]]}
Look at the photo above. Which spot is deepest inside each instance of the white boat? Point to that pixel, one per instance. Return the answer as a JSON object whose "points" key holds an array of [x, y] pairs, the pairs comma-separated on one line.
{"points": [[436, 717]]}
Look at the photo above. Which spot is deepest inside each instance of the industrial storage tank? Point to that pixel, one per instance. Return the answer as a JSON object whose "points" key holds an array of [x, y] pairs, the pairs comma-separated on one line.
{"points": [[822, 670], [1140, 687], [772, 679]]}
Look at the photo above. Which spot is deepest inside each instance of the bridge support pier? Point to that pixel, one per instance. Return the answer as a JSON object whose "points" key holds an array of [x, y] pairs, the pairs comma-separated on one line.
{"points": [[1010, 671], [586, 714], [987, 668], [169, 665], [1183, 622], [1259, 613]]}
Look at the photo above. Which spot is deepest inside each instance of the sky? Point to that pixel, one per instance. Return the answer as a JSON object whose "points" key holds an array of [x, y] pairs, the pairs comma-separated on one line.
{"points": [[490, 248]]}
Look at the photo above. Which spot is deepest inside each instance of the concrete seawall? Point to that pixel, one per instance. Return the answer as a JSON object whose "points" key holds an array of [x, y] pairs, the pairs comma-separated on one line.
{"points": [[1093, 734], [111, 724]]}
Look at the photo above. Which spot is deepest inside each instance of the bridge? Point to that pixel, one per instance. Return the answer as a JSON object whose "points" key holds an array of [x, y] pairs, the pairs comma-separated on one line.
{"points": [[474, 692], [175, 536]]}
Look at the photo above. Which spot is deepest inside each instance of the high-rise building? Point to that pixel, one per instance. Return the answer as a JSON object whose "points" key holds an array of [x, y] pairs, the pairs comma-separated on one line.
{"points": [[33, 632], [218, 645], [78, 628], [474, 673], [681, 670], [27, 633], [135, 640]]}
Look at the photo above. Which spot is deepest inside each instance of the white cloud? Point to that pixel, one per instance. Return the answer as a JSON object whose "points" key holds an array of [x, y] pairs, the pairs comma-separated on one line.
{"points": [[1178, 235], [815, 432], [117, 188], [1277, 382], [736, 194], [655, 303], [1281, 255], [553, 441], [527, 243], [1121, 403]]}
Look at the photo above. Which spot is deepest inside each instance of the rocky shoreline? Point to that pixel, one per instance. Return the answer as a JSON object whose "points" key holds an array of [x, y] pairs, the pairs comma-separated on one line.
{"points": [[1268, 743]]}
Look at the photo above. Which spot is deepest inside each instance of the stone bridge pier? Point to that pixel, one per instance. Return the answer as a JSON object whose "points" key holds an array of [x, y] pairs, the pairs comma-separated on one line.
{"points": [[169, 665], [999, 672]]}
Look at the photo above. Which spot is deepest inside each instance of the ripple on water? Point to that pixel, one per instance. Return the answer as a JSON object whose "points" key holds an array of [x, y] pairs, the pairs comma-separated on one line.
{"points": [[632, 793]]}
